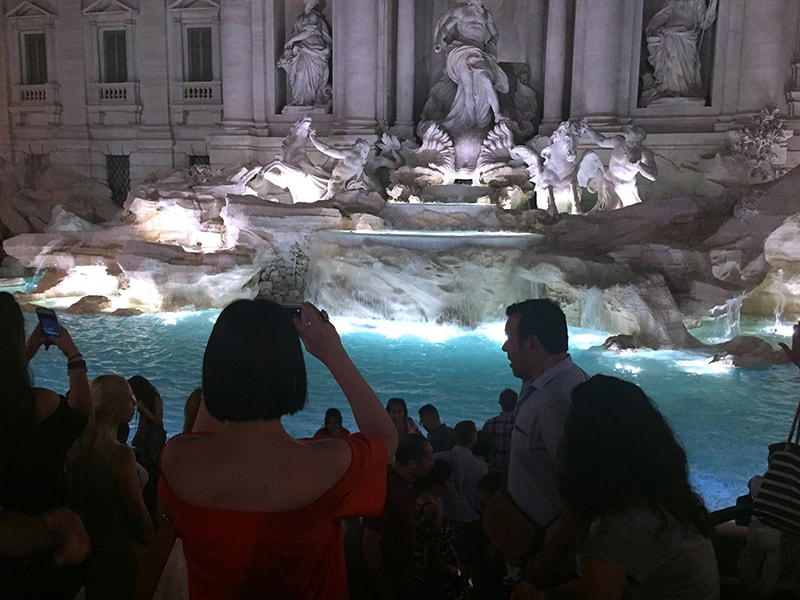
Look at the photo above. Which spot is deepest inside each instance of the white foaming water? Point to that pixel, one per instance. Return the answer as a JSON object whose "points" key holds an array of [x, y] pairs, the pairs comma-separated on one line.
{"points": [[725, 417]]}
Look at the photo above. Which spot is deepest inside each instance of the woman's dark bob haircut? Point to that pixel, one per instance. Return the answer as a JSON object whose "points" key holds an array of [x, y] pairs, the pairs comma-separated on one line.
{"points": [[253, 366]]}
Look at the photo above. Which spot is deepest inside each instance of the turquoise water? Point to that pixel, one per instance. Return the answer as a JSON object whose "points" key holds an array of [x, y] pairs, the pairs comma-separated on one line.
{"points": [[724, 417]]}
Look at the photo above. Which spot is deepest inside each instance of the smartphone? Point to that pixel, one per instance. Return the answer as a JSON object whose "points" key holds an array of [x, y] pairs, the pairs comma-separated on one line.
{"points": [[48, 321]]}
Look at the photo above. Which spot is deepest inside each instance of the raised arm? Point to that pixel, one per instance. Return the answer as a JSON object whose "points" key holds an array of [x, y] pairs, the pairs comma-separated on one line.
{"points": [[325, 149], [79, 397], [793, 353], [321, 340], [597, 137]]}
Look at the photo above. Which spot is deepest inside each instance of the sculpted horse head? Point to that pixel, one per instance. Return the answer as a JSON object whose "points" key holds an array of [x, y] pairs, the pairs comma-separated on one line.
{"points": [[293, 148]]}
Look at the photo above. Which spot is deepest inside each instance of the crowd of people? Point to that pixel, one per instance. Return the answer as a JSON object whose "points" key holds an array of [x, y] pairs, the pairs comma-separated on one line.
{"points": [[577, 488]]}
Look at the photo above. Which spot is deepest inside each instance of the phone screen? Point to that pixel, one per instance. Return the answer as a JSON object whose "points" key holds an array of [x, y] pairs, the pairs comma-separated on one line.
{"points": [[48, 321]]}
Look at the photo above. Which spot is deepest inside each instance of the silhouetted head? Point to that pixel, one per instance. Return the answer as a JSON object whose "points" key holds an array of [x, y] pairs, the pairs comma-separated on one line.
{"points": [[145, 392], [16, 391], [429, 417], [415, 455], [543, 318], [440, 476], [508, 399], [397, 409], [466, 433], [253, 367], [619, 449], [112, 398]]}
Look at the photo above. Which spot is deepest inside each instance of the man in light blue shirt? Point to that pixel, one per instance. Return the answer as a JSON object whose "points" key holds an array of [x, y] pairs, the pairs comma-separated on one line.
{"points": [[536, 346]]}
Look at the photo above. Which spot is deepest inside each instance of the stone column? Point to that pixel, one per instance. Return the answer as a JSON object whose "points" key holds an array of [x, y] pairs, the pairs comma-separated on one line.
{"points": [[555, 68], [355, 50], [767, 53], [404, 123], [237, 50], [598, 58]]}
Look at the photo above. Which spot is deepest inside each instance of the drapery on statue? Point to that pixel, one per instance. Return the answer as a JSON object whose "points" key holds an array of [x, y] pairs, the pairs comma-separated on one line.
{"points": [[306, 58], [468, 34], [629, 158], [673, 36]]}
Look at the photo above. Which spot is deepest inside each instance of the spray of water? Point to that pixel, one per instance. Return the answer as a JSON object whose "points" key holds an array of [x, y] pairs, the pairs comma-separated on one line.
{"points": [[780, 299]]}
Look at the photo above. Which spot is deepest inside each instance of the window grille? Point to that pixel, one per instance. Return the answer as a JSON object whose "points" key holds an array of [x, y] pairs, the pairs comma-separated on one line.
{"points": [[118, 170], [199, 159]]}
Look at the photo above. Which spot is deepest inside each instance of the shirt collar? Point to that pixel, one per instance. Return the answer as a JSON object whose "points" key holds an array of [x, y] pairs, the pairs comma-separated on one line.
{"points": [[551, 373]]}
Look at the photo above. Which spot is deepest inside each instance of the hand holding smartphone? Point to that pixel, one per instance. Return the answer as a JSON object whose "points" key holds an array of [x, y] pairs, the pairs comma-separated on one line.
{"points": [[48, 321]]}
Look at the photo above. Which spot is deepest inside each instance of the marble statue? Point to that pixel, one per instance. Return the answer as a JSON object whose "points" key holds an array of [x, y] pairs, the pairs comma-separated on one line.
{"points": [[674, 36], [348, 171], [467, 33], [629, 158], [306, 59], [556, 170], [292, 169]]}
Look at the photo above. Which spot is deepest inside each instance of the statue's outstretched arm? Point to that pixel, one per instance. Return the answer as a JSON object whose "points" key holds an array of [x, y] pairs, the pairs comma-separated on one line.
{"points": [[325, 148], [597, 137]]}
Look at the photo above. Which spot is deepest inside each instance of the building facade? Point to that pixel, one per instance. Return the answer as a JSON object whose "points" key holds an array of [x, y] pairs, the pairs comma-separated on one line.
{"points": [[119, 90]]}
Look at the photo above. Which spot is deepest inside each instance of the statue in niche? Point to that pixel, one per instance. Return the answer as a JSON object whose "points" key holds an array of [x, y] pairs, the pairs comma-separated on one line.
{"points": [[477, 110], [629, 158], [306, 59], [673, 37], [467, 33]]}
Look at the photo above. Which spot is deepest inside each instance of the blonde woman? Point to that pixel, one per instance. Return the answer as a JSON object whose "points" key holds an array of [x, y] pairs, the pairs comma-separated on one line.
{"points": [[105, 488]]}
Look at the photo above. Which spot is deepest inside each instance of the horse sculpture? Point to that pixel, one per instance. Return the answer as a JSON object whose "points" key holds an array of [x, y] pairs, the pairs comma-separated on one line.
{"points": [[292, 169], [557, 172]]}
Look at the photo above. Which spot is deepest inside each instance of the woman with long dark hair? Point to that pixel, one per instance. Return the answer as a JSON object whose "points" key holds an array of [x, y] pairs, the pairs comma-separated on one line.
{"points": [[37, 427], [398, 411], [640, 527]]}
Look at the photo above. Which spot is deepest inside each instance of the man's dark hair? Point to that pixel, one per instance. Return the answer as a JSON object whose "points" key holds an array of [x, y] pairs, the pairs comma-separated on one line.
{"points": [[544, 319], [464, 432], [411, 448], [508, 399], [427, 409]]}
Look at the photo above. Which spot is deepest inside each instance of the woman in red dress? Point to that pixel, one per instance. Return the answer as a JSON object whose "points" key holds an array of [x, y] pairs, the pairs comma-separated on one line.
{"points": [[259, 512]]}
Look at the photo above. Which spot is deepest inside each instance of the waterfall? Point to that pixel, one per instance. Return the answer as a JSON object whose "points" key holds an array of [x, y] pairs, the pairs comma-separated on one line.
{"points": [[780, 298], [729, 313]]}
